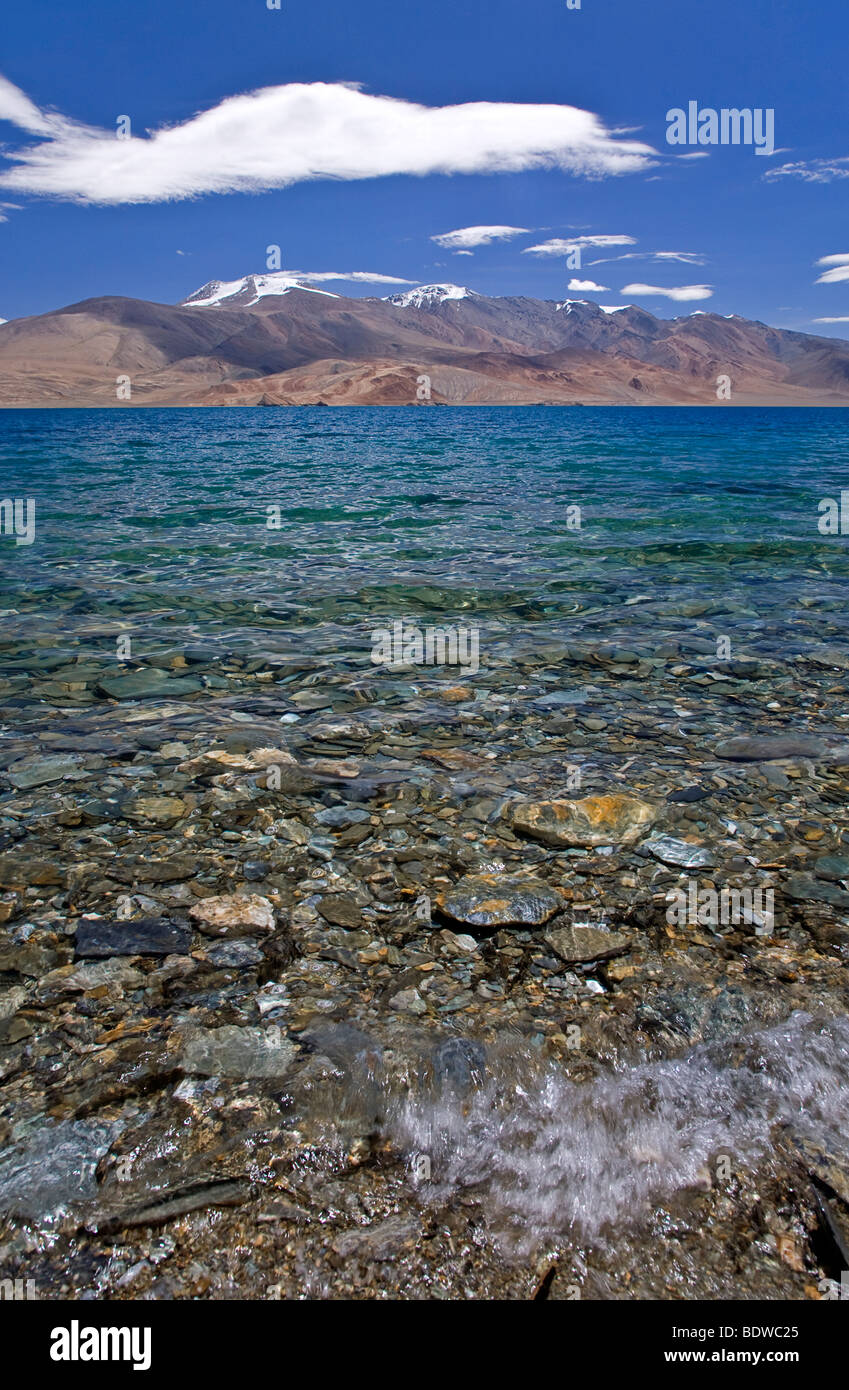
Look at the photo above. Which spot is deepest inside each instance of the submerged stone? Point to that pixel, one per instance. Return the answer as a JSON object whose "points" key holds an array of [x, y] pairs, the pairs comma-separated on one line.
{"points": [[596, 820], [679, 853], [149, 683], [55, 1167], [755, 749], [458, 1065], [39, 772], [339, 910], [497, 900], [234, 1051], [146, 936], [233, 914], [576, 944], [834, 867], [162, 810]]}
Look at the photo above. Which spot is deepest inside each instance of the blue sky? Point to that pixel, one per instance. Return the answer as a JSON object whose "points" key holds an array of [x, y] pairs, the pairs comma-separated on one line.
{"points": [[750, 228]]}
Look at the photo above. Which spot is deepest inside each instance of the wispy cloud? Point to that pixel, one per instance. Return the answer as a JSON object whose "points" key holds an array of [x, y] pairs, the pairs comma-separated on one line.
{"points": [[558, 246], [465, 237], [678, 292], [365, 277], [589, 285], [839, 270], [844, 318], [283, 135], [811, 170], [685, 257]]}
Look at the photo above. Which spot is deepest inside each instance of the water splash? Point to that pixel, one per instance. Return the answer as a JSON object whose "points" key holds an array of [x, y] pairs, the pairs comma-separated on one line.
{"points": [[550, 1158]]}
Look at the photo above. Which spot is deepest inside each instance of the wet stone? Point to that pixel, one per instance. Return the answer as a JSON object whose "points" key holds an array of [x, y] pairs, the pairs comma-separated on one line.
{"points": [[595, 820], [54, 1168], [145, 936], [147, 684], [39, 772], [255, 869], [339, 817], [834, 867], [802, 888], [233, 914], [340, 911], [161, 810], [689, 794], [498, 900], [240, 953], [234, 1051], [755, 749], [577, 944], [678, 852]]}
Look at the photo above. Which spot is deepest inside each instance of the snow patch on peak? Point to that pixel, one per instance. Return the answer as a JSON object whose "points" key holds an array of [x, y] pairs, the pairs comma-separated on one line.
{"points": [[254, 286], [570, 304], [425, 296]]}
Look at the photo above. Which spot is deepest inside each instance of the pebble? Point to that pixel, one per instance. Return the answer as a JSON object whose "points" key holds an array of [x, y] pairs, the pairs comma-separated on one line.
{"points": [[233, 914], [498, 900]]}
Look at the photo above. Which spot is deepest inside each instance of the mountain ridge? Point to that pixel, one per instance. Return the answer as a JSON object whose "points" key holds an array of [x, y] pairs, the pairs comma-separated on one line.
{"points": [[293, 344]]}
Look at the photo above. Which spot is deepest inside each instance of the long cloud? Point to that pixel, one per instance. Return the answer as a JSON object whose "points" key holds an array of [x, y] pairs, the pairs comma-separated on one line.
{"points": [[283, 135], [464, 237], [839, 271], [678, 292], [559, 246]]}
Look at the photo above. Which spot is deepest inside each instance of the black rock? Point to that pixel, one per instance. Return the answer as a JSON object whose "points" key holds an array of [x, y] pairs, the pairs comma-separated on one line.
{"points": [[145, 936], [692, 793]]}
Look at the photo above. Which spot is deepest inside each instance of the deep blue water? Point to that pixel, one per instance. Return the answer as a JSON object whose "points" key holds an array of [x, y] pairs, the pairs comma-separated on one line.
{"points": [[390, 512]]}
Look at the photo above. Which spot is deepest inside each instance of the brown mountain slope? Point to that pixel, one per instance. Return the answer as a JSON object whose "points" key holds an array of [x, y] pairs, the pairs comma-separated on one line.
{"points": [[300, 347]]}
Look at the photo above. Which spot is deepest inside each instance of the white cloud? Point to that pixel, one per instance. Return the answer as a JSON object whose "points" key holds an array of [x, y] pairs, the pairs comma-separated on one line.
{"points": [[558, 247], [678, 292], [839, 269], [686, 257], [812, 171], [287, 134], [365, 277], [843, 319], [465, 237], [587, 285]]}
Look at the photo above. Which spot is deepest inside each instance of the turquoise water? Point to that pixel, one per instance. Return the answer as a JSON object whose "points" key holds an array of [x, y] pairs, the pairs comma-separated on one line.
{"points": [[162, 515]]}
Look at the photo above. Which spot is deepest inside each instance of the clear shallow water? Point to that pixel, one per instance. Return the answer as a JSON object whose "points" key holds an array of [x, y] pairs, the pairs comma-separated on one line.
{"points": [[162, 515]]}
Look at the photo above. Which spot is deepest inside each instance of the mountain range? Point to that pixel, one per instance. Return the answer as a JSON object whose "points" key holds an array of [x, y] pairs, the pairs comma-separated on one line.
{"points": [[276, 339]]}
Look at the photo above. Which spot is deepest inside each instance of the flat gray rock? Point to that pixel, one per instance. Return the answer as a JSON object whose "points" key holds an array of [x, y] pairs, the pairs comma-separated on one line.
{"points": [[582, 944], [764, 749]]}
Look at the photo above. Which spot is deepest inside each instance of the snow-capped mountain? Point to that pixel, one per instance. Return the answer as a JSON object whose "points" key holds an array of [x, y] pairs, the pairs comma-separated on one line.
{"points": [[570, 305], [276, 340], [426, 296], [249, 290]]}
